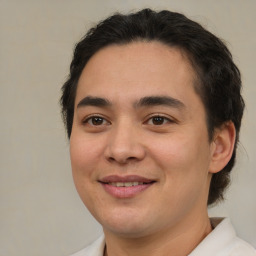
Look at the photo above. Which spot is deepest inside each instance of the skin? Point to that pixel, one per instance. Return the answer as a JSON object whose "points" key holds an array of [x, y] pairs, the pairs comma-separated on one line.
{"points": [[128, 139]]}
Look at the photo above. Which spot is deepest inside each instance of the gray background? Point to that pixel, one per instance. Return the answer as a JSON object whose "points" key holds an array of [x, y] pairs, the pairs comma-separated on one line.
{"points": [[40, 211]]}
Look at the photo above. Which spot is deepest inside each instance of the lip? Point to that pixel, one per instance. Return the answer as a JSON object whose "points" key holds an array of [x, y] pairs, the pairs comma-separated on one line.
{"points": [[128, 178], [125, 192]]}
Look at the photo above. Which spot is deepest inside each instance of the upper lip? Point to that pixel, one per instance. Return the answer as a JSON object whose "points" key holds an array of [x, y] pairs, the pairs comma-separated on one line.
{"points": [[128, 178]]}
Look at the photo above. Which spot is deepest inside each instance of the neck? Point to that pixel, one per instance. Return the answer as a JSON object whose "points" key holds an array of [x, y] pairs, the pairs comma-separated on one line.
{"points": [[178, 240]]}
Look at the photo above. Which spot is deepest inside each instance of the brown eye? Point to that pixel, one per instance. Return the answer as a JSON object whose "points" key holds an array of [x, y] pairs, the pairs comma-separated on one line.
{"points": [[158, 120], [95, 121]]}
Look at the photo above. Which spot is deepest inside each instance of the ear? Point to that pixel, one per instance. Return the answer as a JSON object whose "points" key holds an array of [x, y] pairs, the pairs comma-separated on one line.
{"points": [[222, 147]]}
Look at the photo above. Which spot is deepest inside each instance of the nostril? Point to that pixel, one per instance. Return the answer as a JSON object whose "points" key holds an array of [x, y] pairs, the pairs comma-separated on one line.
{"points": [[120, 151], [111, 159], [131, 158], [122, 160]]}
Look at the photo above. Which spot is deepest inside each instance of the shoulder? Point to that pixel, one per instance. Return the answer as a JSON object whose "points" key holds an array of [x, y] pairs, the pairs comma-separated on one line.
{"points": [[94, 249], [223, 241]]}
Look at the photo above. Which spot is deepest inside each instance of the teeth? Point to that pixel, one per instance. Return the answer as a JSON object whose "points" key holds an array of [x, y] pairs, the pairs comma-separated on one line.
{"points": [[125, 184]]}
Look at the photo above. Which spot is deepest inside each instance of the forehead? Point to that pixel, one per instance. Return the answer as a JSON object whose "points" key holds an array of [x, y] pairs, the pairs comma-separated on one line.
{"points": [[137, 69]]}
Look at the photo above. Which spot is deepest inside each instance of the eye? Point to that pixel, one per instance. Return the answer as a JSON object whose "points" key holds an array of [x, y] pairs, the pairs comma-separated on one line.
{"points": [[159, 120], [95, 121]]}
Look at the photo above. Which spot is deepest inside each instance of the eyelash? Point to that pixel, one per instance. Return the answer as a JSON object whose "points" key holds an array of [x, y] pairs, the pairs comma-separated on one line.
{"points": [[165, 119], [90, 118]]}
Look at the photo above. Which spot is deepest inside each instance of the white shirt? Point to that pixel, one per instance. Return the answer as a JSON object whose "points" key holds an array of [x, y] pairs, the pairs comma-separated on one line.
{"points": [[222, 241]]}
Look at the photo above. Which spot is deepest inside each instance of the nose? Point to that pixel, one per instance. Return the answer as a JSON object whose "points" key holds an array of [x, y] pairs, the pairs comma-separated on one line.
{"points": [[125, 144]]}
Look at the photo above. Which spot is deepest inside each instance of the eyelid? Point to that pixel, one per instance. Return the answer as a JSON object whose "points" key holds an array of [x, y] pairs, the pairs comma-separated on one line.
{"points": [[147, 118], [87, 118], [168, 118]]}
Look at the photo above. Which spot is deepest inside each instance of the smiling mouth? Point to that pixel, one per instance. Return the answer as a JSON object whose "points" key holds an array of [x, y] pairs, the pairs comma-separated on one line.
{"points": [[127, 184], [125, 187]]}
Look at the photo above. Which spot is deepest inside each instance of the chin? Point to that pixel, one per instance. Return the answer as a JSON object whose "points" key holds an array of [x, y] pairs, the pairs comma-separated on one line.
{"points": [[125, 225], [127, 231]]}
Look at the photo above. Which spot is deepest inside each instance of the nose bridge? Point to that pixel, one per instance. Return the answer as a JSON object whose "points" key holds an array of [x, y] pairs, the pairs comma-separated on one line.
{"points": [[124, 144]]}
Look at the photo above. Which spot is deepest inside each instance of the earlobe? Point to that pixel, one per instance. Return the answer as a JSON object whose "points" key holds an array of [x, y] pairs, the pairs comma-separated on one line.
{"points": [[222, 147]]}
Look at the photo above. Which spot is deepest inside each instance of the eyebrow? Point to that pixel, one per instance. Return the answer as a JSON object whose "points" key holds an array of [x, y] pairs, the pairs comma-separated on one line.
{"points": [[159, 100], [143, 102], [94, 101]]}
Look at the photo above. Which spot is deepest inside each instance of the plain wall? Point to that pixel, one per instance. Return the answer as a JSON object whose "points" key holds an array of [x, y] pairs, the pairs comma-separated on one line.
{"points": [[40, 211]]}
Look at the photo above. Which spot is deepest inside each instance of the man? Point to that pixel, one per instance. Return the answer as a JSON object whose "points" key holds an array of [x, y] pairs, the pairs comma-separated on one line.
{"points": [[153, 110]]}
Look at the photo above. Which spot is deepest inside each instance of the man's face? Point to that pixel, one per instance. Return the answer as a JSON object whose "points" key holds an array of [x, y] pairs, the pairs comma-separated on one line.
{"points": [[139, 145]]}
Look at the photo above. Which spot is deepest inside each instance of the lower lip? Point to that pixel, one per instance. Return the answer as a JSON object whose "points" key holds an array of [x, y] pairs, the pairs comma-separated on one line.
{"points": [[125, 192]]}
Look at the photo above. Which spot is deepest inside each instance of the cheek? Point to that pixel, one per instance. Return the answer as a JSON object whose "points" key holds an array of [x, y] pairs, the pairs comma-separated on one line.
{"points": [[181, 155], [172, 151], [184, 163], [84, 152], [85, 157]]}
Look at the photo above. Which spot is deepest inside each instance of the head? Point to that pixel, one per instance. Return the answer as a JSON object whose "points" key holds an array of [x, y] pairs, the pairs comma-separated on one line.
{"points": [[217, 80]]}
